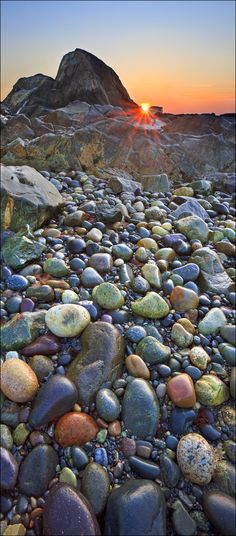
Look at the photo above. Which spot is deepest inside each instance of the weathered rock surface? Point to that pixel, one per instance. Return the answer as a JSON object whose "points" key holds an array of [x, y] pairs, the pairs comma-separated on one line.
{"points": [[21, 330], [213, 277], [99, 360], [26, 198]]}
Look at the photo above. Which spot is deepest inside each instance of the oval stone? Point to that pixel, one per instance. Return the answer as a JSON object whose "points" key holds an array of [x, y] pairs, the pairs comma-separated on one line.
{"points": [[136, 366], [9, 469], [196, 459], [140, 410], [67, 320], [182, 299], [137, 507], [108, 296], [37, 470], [57, 396], [220, 510], [180, 390], [68, 513], [75, 429], [19, 383], [96, 486], [107, 405]]}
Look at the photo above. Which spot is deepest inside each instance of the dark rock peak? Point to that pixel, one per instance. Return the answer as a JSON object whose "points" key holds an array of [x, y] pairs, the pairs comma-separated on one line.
{"points": [[81, 76]]}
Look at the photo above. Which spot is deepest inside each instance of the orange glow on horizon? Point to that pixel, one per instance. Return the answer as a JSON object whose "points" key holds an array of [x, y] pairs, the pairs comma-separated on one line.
{"points": [[145, 107]]}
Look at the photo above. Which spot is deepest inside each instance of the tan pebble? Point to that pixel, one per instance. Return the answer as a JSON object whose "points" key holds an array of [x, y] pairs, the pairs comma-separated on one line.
{"points": [[185, 322], [77, 408], [19, 383], [136, 366], [114, 428], [15, 530], [54, 283]]}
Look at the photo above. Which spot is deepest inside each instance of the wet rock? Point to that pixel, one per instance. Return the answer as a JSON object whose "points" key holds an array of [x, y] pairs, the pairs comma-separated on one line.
{"points": [[41, 365], [190, 207], [18, 381], [136, 366], [21, 330], [75, 429], [99, 360], [220, 510], [195, 458], [211, 390], [180, 336], [37, 470], [140, 409], [96, 486], [9, 469], [61, 501], [55, 397], [137, 507], [199, 357], [67, 320], [152, 274], [75, 218], [107, 405], [102, 262], [144, 468], [151, 306], [170, 471], [55, 267], [152, 351]]}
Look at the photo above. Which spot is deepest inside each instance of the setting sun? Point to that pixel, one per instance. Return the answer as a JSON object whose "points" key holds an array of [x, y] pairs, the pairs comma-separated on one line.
{"points": [[145, 107]]}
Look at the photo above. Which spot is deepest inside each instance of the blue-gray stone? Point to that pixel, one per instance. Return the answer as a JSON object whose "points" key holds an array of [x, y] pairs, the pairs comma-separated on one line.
{"points": [[140, 409]]}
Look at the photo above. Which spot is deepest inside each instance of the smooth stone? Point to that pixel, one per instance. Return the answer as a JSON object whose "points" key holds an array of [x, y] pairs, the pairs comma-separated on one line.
{"points": [[18, 381], [213, 277], [79, 457], [10, 413], [107, 405], [148, 243], [20, 434], [100, 456], [100, 360], [102, 262], [18, 529], [191, 206], [233, 382], [211, 390], [199, 357], [76, 245], [44, 345], [140, 285], [75, 218], [17, 282], [182, 522], [67, 320], [122, 251], [193, 372], [136, 507], [180, 336], [144, 468], [170, 471], [180, 390], [151, 306], [37, 470], [152, 274], [108, 296], [21, 330], [55, 397], [9, 469], [212, 321], [230, 449], [220, 510], [228, 352], [13, 304], [96, 486], [19, 250], [68, 513], [181, 420], [136, 333], [75, 429], [228, 332], [196, 459], [55, 267], [152, 351], [6, 440], [41, 365], [91, 278], [68, 477], [182, 299], [144, 420], [43, 293], [94, 234], [189, 272], [136, 367], [210, 433], [193, 227], [184, 190], [202, 186], [225, 477], [69, 296]]}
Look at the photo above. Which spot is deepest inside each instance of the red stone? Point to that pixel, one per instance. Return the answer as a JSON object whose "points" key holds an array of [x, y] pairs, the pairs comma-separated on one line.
{"points": [[75, 429]]}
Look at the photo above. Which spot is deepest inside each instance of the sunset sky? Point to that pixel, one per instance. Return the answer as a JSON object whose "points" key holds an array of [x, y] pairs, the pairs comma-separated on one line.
{"points": [[178, 54]]}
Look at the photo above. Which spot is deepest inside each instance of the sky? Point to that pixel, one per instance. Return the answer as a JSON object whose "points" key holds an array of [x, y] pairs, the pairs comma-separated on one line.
{"points": [[176, 54]]}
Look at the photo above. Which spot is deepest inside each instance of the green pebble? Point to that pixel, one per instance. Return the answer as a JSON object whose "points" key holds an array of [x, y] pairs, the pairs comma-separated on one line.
{"points": [[108, 296], [212, 321], [151, 306], [67, 476], [20, 434], [211, 391], [55, 267], [101, 435], [6, 440]]}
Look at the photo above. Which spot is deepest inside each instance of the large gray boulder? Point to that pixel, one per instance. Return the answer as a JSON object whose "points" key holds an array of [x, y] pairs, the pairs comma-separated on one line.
{"points": [[26, 198], [156, 183]]}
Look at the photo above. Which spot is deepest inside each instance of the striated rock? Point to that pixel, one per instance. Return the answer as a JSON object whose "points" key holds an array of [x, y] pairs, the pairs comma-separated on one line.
{"points": [[26, 198], [19, 250], [100, 359], [21, 330], [68, 513], [137, 507], [55, 397]]}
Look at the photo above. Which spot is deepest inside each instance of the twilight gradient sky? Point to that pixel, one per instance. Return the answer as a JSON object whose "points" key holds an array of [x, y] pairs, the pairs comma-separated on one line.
{"points": [[178, 54]]}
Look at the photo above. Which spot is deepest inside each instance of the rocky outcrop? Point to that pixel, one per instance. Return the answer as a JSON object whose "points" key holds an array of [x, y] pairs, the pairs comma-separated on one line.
{"points": [[81, 76], [26, 198]]}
